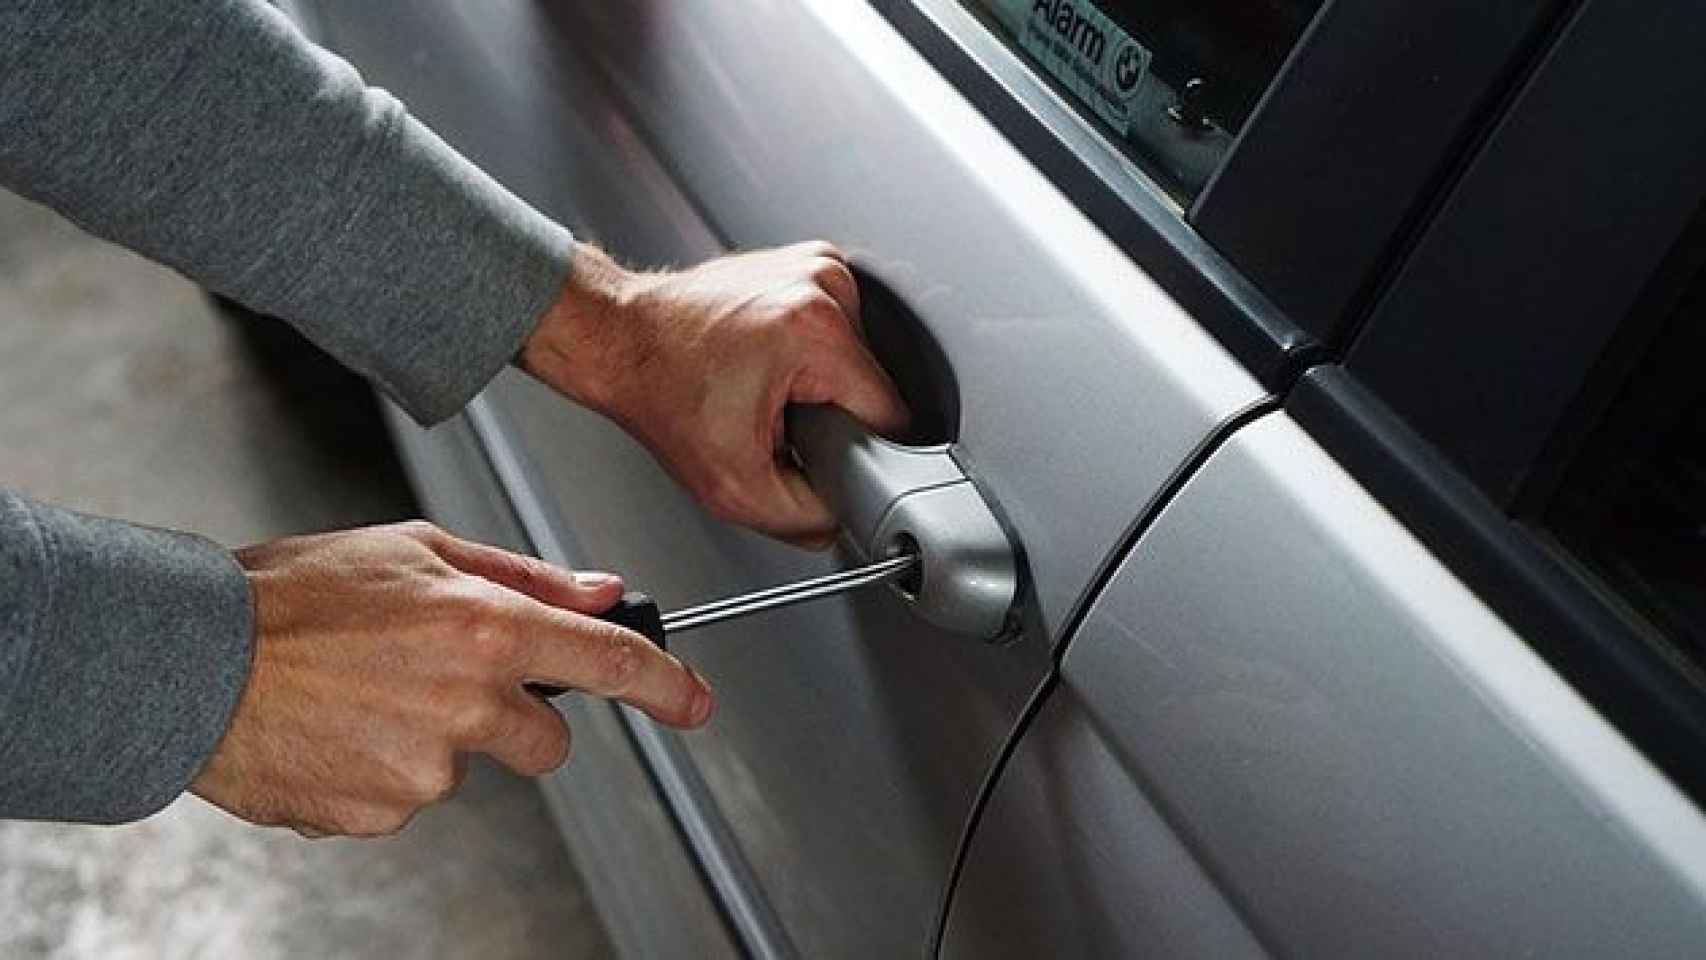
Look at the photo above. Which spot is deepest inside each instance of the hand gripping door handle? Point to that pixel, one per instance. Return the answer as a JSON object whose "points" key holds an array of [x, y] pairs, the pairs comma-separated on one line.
{"points": [[893, 499]]}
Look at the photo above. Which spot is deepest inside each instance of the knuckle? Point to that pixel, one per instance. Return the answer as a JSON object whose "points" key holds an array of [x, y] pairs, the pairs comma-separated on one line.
{"points": [[526, 573], [551, 752], [423, 531], [433, 783], [494, 644], [830, 273], [478, 601], [619, 662], [478, 721], [445, 603], [518, 568], [387, 823], [807, 304], [488, 629], [729, 508], [725, 498]]}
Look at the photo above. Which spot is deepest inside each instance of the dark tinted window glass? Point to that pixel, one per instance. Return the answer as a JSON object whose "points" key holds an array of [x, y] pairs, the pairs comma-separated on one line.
{"points": [[1633, 504], [1172, 81]]}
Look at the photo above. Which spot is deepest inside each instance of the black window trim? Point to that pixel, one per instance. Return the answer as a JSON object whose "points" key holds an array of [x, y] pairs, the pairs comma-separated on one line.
{"points": [[1352, 158], [1451, 343], [1408, 414]]}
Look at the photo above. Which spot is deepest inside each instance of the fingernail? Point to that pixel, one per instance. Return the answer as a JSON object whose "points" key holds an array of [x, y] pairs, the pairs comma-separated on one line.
{"points": [[593, 580], [701, 710], [703, 701]]}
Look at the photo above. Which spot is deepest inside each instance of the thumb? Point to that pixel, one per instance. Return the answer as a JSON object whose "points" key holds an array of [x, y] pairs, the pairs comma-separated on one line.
{"points": [[782, 504], [818, 530]]}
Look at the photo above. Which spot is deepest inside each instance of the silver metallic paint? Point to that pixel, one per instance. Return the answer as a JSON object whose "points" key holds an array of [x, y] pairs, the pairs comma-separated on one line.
{"points": [[1074, 859], [1363, 760]]}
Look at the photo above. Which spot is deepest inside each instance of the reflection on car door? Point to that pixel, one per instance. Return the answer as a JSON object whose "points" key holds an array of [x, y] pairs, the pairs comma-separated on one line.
{"points": [[1286, 727], [852, 738]]}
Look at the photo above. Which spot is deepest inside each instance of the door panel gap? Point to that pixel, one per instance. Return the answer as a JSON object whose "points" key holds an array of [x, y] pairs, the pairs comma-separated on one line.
{"points": [[1116, 559]]}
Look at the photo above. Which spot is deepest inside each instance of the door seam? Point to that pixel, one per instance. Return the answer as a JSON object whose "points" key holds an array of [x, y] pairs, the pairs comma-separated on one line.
{"points": [[1146, 518]]}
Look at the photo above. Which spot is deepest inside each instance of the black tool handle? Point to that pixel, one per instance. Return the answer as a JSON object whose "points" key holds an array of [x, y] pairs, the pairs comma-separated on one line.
{"points": [[638, 612]]}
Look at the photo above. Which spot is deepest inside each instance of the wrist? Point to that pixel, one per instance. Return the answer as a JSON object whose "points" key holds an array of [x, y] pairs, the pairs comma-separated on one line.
{"points": [[580, 343]]}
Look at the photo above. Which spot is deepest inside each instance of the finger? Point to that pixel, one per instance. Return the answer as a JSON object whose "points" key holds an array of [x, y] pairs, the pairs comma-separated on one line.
{"points": [[813, 526], [582, 592], [535, 739], [775, 499], [608, 661], [835, 279], [846, 375]]}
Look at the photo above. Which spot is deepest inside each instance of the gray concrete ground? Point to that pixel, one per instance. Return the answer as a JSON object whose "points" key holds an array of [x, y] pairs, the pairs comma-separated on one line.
{"points": [[124, 392]]}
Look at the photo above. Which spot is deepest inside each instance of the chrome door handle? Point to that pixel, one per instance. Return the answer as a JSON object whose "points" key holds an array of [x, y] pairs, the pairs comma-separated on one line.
{"points": [[893, 499]]}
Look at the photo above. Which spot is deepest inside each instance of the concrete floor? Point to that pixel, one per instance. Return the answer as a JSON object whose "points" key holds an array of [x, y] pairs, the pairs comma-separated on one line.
{"points": [[124, 392]]}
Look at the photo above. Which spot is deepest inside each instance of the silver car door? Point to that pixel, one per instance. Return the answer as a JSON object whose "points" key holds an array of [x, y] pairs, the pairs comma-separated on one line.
{"points": [[1286, 727], [826, 800]]}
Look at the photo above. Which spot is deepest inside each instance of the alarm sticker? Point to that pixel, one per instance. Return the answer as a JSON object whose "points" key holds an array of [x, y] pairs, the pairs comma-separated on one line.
{"points": [[1087, 52]]}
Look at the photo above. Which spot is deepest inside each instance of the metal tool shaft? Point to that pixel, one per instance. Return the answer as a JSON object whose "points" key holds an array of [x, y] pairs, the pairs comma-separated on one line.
{"points": [[786, 595]]}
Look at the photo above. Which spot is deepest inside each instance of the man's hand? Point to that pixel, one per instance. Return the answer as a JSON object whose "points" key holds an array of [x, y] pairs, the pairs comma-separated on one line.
{"points": [[384, 656], [698, 365]]}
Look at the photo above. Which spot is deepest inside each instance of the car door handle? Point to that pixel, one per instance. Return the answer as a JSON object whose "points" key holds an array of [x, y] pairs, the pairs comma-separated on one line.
{"points": [[893, 499]]}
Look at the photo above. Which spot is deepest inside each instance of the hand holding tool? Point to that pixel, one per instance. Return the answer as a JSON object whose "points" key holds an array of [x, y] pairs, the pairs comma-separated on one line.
{"points": [[639, 612]]}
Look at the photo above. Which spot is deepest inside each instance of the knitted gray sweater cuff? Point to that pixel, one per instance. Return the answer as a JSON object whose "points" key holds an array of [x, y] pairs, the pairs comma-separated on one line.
{"points": [[123, 653]]}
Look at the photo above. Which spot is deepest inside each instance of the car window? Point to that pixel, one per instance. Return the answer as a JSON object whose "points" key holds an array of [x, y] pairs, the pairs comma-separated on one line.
{"points": [[1633, 503], [1170, 81]]}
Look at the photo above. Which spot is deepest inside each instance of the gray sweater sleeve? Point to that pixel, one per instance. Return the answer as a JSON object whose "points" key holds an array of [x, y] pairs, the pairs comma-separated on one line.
{"points": [[209, 135], [123, 651]]}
